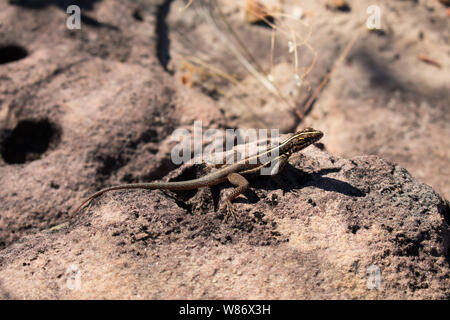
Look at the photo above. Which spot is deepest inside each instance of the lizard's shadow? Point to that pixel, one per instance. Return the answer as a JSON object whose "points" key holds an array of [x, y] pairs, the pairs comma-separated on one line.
{"points": [[292, 178]]}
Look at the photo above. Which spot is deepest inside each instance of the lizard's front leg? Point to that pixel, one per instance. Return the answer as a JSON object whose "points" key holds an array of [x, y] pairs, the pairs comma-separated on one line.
{"points": [[241, 184]]}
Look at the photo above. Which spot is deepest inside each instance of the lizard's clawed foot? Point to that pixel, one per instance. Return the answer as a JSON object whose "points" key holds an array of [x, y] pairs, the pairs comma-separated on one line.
{"points": [[230, 212]]}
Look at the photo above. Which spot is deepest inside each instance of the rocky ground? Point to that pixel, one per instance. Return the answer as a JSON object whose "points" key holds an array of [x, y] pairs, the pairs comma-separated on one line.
{"points": [[84, 109]]}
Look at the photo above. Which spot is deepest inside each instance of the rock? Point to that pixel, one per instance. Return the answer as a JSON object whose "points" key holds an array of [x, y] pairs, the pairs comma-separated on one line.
{"points": [[84, 109], [374, 104], [71, 123], [336, 221]]}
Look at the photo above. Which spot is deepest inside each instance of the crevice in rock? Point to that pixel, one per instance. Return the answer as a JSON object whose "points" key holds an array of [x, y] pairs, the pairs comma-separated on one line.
{"points": [[162, 33], [444, 209], [28, 141], [11, 53], [110, 164], [137, 15]]}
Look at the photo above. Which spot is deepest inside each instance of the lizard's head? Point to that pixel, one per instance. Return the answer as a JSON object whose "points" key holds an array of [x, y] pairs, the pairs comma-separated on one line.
{"points": [[302, 139]]}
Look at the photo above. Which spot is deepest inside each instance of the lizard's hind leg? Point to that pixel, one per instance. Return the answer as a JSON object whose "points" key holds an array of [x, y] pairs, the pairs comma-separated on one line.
{"points": [[241, 184]]}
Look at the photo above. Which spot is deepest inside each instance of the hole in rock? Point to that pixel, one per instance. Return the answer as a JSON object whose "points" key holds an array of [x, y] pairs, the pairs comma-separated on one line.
{"points": [[11, 53], [28, 141]]}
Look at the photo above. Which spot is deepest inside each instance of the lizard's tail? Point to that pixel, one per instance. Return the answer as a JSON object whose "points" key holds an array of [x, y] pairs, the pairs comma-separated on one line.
{"points": [[119, 187], [175, 185], [149, 185], [95, 195]]}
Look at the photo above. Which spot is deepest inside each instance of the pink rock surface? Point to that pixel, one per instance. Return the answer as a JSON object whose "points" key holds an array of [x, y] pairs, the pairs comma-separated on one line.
{"points": [[85, 109], [315, 238]]}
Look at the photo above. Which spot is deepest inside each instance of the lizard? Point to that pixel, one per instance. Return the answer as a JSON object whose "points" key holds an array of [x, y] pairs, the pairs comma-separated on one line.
{"points": [[235, 173]]}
